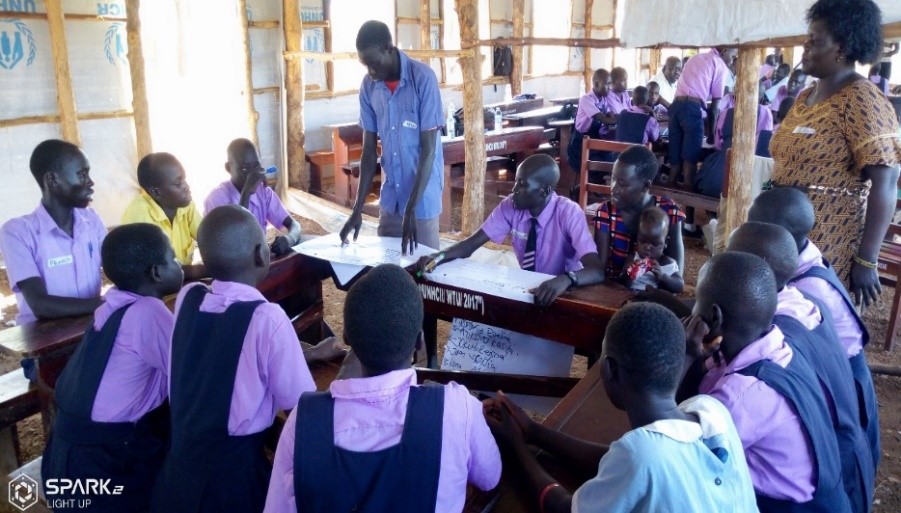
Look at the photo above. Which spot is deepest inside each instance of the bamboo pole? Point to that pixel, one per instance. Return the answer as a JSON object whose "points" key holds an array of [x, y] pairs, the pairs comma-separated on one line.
{"points": [[294, 96], [474, 129], [327, 37], [252, 115], [587, 72], [139, 103], [745, 138], [65, 97], [519, 18], [425, 27]]}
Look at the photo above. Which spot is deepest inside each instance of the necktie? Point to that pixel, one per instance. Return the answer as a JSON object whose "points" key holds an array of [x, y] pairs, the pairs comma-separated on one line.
{"points": [[528, 258]]}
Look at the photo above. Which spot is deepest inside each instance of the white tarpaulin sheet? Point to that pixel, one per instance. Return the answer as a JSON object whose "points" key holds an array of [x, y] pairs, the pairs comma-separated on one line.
{"points": [[714, 22]]}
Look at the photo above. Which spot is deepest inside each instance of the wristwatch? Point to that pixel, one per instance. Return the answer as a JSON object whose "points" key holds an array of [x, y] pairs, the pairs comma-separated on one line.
{"points": [[573, 278]]}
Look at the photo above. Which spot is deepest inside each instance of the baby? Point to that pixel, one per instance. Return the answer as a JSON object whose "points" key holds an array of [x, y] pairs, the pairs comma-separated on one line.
{"points": [[649, 266]]}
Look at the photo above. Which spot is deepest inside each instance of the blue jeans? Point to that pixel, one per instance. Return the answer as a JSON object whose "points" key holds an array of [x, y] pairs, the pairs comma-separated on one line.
{"points": [[686, 133]]}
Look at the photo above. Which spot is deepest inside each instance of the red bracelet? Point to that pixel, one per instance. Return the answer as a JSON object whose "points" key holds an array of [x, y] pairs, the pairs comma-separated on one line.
{"points": [[543, 494]]}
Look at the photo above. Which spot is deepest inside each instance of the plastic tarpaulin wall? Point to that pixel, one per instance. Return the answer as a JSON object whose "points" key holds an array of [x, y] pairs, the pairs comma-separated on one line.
{"points": [[713, 22]]}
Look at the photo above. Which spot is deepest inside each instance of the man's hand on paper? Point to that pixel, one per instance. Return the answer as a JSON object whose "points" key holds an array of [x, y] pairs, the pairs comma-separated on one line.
{"points": [[548, 291]]}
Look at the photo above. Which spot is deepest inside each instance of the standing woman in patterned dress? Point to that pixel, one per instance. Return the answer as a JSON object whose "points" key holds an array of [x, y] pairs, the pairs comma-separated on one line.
{"points": [[840, 142]]}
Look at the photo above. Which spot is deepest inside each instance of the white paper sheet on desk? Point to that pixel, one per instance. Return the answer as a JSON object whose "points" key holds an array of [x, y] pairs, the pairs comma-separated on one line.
{"points": [[348, 260], [773, 91], [494, 280]]}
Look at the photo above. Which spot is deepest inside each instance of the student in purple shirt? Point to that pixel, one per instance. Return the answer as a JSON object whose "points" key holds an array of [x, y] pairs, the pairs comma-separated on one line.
{"points": [[773, 395], [549, 233], [808, 330], [795, 84], [247, 187], [234, 362], [791, 209], [53, 254], [642, 111], [618, 97], [380, 442], [109, 394], [400, 106], [595, 113]]}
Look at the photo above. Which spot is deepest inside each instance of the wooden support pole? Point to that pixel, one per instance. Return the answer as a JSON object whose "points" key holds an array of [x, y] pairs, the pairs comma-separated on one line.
{"points": [[443, 76], [294, 96], [788, 55], [65, 97], [139, 103], [425, 27], [252, 115], [654, 62], [586, 55], [474, 128], [519, 19], [744, 139], [327, 36]]}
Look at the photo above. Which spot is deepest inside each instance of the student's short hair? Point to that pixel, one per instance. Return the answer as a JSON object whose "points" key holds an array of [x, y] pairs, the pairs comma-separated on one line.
{"points": [[640, 95], [856, 25], [237, 147], [654, 216], [598, 72], [643, 159], [651, 84], [742, 285], [130, 250], [649, 341], [785, 67], [672, 59], [383, 318], [787, 207], [618, 71], [46, 156], [149, 168], [770, 242], [374, 34]]}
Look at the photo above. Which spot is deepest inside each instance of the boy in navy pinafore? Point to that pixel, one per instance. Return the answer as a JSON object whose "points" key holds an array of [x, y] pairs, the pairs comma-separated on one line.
{"points": [[380, 443], [791, 209], [769, 388], [109, 421], [808, 330], [235, 361]]}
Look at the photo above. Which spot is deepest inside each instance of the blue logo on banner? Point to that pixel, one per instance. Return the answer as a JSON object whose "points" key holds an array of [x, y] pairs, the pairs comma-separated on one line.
{"points": [[113, 46], [18, 6], [110, 9], [14, 37]]}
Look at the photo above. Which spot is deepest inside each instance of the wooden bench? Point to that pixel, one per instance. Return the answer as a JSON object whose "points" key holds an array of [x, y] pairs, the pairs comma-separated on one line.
{"points": [[889, 263], [588, 166], [18, 401], [318, 160]]}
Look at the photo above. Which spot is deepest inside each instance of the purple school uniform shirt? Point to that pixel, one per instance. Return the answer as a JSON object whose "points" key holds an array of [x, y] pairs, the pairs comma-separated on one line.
{"points": [[369, 416], [652, 129], [589, 105], [563, 236], [849, 334], [764, 122], [619, 101], [780, 97], [792, 303], [33, 246], [263, 204], [136, 377], [704, 76], [272, 372], [779, 454]]}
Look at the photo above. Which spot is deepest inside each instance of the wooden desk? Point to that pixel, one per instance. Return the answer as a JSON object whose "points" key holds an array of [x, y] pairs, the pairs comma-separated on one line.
{"points": [[347, 145], [294, 282], [522, 141], [539, 117], [514, 107], [585, 413], [566, 99]]}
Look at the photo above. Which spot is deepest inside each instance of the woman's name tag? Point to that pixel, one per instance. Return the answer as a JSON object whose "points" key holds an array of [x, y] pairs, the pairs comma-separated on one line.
{"points": [[804, 130]]}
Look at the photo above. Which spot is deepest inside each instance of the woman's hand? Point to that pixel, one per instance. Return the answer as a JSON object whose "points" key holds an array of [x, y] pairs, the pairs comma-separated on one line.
{"points": [[865, 286]]}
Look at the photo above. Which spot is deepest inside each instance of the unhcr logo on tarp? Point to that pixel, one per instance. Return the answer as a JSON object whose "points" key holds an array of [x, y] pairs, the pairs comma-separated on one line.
{"points": [[15, 37]]}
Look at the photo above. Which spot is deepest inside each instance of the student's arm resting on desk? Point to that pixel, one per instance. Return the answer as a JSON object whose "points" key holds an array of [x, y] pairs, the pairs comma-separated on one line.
{"points": [[463, 249], [47, 306], [367, 173], [590, 274], [283, 243], [428, 140]]}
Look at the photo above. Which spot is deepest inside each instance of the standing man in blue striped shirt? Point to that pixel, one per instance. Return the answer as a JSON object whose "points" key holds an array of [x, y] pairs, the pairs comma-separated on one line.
{"points": [[400, 105]]}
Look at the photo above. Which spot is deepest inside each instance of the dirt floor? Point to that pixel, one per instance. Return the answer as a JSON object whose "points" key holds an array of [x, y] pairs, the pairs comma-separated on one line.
{"points": [[888, 389]]}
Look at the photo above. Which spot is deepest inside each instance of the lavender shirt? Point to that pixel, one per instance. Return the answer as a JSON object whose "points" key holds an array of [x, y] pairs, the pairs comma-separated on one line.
{"points": [[589, 105], [563, 237], [33, 246], [651, 130], [263, 204], [779, 454], [780, 97], [849, 334], [619, 101], [792, 303], [764, 122], [272, 372], [136, 377], [369, 416], [704, 76]]}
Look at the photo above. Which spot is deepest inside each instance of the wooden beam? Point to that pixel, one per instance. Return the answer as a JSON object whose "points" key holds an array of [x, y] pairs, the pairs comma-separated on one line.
{"points": [[314, 24], [744, 139], [336, 56], [892, 30], [70, 17], [547, 41], [327, 36], [65, 96], [587, 70], [294, 96], [519, 18], [139, 103], [54, 118], [474, 122], [252, 115], [267, 24], [406, 20], [425, 27], [276, 90]]}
